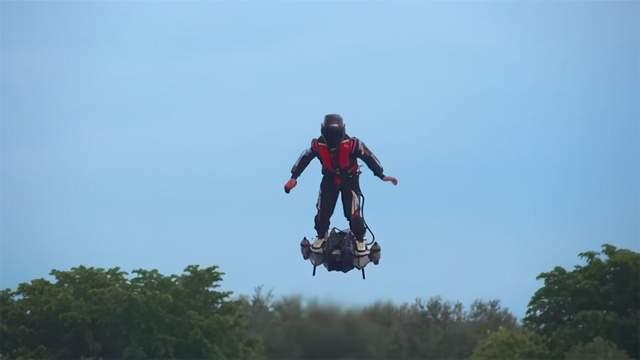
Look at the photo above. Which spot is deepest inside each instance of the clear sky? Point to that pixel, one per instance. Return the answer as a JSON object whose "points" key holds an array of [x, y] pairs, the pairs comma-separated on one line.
{"points": [[157, 135]]}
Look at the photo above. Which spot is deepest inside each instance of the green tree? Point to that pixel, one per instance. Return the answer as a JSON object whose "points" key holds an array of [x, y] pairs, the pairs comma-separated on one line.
{"points": [[511, 344], [598, 349], [96, 313], [291, 328], [599, 299]]}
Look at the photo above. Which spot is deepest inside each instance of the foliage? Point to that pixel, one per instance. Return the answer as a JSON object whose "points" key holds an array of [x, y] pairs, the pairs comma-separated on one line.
{"points": [[591, 312], [511, 344], [599, 299], [293, 329], [598, 349], [95, 313]]}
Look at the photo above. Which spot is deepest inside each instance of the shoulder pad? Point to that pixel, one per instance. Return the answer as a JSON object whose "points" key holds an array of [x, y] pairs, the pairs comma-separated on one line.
{"points": [[355, 144]]}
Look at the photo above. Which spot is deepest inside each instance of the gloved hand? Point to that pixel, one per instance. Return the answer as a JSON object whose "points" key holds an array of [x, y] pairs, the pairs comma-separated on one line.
{"points": [[391, 179], [290, 185]]}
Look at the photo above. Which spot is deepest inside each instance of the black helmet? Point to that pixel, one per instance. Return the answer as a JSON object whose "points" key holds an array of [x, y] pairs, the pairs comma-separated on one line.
{"points": [[333, 129]]}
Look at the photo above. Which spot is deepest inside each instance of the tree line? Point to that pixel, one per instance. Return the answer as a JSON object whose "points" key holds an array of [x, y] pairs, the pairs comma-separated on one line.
{"points": [[589, 312]]}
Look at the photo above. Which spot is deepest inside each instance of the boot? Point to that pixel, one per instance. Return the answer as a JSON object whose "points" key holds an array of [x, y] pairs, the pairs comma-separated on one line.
{"points": [[361, 248], [319, 244]]}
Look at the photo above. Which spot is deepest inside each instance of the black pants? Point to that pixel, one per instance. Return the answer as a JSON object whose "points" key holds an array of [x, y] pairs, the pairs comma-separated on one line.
{"points": [[350, 191]]}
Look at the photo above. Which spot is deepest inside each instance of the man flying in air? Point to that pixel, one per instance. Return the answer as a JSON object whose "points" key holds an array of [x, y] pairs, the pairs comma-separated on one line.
{"points": [[338, 153]]}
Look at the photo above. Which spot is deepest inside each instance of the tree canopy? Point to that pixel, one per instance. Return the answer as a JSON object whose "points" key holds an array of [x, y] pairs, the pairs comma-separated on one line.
{"points": [[590, 312], [96, 313], [598, 349], [599, 299], [291, 328], [509, 344]]}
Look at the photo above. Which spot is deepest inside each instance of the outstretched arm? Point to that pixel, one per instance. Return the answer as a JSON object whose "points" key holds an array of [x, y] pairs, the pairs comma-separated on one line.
{"points": [[373, 163], [299, 166], [302, 162]]}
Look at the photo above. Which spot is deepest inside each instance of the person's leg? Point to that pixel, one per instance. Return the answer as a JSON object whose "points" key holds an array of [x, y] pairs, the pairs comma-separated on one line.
{"points": [[351, 207], [326, 204]]}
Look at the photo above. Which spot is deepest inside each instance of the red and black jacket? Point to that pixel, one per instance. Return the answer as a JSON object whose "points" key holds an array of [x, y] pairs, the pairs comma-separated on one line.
{"points": [[341, 162]]}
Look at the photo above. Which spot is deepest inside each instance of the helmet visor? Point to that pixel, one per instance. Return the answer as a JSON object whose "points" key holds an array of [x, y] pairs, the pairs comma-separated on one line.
{"points": [[333, 133]]}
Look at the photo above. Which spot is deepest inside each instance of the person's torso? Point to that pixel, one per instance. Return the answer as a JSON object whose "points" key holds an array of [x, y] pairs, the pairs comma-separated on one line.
{"points": [[340, 162]]}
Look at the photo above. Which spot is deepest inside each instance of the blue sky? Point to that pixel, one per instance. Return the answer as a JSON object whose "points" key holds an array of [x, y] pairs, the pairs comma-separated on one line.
{"points": [[157, 135]]}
